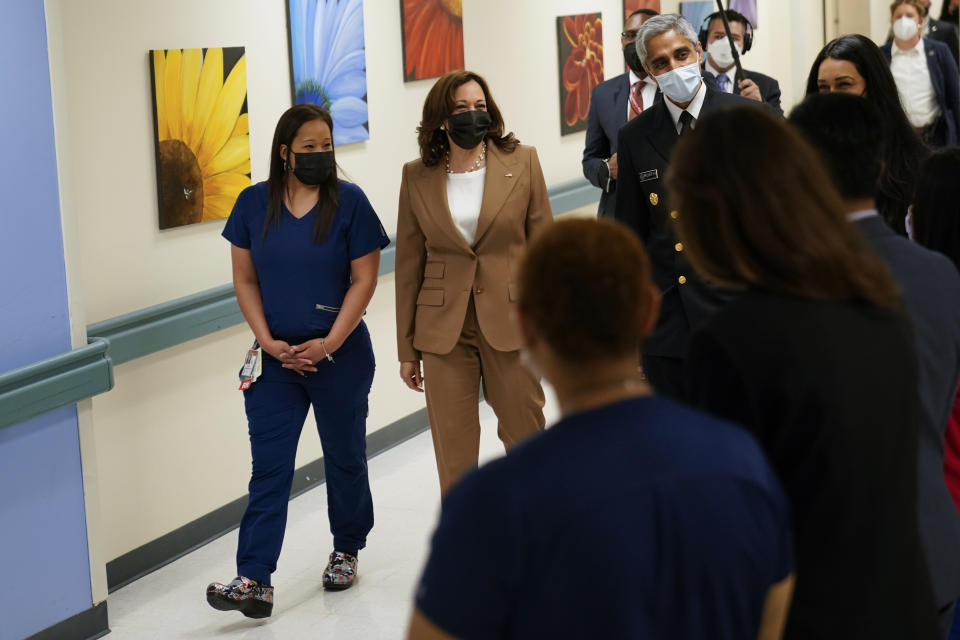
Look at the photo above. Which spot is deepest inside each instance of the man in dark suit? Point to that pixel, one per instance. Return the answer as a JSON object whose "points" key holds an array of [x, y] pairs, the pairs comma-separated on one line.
{"points": [[844, 129], [670, 52], [941, 31], [612, 103], [720, 64]]}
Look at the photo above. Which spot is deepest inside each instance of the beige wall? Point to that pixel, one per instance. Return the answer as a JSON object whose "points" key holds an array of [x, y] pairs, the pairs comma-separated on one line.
{"points": [[169, 442]]}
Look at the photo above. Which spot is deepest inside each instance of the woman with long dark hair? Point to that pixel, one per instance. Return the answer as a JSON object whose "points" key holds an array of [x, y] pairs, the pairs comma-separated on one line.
{"points": [[468, 206], [795, 359], [306, 251], [854, 64]]}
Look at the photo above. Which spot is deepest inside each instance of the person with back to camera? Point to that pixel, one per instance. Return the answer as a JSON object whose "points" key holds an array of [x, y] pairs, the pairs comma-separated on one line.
{"points": [[669, 50], [306, 251], [468, 207], [795, 359], [720, 64], [843, 129], [926, 76], [613, 103], [854, 64], [633, 516], [934, 222]]}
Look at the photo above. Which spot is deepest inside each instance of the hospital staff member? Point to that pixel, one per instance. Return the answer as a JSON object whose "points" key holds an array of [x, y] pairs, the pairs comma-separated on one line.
{"points": [[306, 251]]}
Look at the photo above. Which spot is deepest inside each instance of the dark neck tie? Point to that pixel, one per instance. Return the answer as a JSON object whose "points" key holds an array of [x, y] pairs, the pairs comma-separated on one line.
{"points": [[686, 122]]}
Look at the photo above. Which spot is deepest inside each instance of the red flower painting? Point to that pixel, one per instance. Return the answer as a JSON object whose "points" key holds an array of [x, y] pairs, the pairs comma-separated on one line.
{"points": [[581, 67], [629, 6], [432, 37]]}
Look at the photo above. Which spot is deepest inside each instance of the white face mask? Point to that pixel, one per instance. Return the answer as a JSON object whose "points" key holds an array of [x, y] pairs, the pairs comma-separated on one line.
{"points": [[682, 83], [905, 28], [720, 52]]}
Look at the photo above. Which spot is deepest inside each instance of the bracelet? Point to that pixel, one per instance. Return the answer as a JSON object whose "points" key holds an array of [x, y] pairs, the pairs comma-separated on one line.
{"points": [[323, 345]]}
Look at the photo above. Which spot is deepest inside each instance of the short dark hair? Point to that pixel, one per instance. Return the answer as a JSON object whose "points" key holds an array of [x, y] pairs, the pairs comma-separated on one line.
{"points": [[439, 106], [732, 16], [936, 206], [644, 12], [844, 128], [584, 286]]}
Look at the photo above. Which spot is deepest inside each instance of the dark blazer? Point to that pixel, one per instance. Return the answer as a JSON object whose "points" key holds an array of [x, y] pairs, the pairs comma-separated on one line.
{"points": [[608, 112], [769, 87], [645, 145], [947, 34], [946, 84], [829, 389], [931, 296]]}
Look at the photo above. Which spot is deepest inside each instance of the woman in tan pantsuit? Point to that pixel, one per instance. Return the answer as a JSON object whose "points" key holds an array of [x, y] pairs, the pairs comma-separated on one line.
{"points": [[468, 206]]}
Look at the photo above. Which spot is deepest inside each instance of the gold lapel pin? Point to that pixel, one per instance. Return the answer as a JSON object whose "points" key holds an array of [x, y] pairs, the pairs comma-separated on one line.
{"points": [[654, 199]]}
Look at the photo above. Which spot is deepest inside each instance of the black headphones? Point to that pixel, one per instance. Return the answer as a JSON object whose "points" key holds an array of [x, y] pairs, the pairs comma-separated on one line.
{"points": [[732, 16]]}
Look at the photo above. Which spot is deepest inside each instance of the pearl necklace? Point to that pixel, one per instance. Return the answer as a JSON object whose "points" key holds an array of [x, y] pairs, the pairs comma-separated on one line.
{"points": [[476, 165]]}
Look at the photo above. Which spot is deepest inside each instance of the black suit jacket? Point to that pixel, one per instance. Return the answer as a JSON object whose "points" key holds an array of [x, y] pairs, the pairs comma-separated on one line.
{"points": [[931, 296], [829, 389], [769, 87], [947, 34], [608, 112], [644, 149]]}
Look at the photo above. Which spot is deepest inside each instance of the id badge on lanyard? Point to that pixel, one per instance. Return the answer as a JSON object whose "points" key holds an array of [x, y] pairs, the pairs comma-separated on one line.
{"points": [[252, 366]]}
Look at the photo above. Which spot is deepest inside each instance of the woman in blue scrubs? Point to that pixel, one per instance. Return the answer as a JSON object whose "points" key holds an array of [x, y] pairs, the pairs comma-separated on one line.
{"points": [[306, 252]]}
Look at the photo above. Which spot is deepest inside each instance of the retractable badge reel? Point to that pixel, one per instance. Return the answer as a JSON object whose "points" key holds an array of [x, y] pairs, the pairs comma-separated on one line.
{"points": [[252, 367]]}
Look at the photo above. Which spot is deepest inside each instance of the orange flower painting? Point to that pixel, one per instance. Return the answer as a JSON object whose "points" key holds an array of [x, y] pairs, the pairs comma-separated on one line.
{"points": [[580, 44], [629, 6], [432, 37]]}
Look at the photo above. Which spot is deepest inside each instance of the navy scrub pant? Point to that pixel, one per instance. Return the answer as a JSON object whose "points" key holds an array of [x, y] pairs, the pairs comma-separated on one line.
{"points": [[276, 406]]}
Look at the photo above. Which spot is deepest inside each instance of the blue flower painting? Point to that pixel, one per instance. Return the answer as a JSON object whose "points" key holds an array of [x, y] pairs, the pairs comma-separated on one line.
{"points": [[329, 63]]}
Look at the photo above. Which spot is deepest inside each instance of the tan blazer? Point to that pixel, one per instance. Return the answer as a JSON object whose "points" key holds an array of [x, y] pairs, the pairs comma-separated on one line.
{"points": [[437, 271]]}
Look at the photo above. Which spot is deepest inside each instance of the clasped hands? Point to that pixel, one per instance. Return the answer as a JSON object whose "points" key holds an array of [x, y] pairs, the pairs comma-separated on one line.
{"points": [[301, 358]]}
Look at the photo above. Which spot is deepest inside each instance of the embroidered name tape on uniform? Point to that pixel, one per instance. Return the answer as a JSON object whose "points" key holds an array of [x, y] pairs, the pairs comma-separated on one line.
{"points": [[644, 176]]}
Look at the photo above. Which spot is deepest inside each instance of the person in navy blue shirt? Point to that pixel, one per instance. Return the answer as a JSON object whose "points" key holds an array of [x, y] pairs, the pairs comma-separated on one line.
{"points": [[306, 252], [632, 517]]}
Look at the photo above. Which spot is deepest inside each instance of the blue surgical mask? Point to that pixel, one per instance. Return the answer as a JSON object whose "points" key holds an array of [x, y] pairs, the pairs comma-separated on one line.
{"points": [[681, 84]]}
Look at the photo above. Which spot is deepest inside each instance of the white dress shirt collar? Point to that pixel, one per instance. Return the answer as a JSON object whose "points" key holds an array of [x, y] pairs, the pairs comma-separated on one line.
{"points": [[897, 51], [693, 108], [730, 73], [634, 78]]}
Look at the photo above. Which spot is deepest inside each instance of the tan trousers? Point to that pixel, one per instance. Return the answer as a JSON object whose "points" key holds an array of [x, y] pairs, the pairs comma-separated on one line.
{"points": [[452, 382]]}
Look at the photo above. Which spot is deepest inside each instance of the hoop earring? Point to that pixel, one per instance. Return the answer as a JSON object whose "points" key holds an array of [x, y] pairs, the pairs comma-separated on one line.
{"points": [[285, 168]]}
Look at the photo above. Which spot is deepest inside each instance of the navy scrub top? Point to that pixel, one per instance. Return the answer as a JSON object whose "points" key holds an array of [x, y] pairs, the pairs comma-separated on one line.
{"points": [[303, 283]]}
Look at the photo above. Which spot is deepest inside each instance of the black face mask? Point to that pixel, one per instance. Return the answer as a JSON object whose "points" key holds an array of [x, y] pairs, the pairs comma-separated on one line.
{"points": [[315, 167], [633, 60], [469, 128]]}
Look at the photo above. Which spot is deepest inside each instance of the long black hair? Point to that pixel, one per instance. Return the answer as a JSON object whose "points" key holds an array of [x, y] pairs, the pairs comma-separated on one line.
{"points": [[936, 208], [904, 151], [947, 16], [278, 181]]}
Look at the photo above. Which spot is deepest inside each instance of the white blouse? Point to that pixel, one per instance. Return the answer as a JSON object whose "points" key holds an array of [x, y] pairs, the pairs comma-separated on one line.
{"points": [[465, 195]]}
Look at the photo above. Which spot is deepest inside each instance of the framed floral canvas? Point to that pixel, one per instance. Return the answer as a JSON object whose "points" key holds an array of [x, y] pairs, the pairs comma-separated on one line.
{"points": [[329, 63], [202, 132], [432, 37], [580, 49]]}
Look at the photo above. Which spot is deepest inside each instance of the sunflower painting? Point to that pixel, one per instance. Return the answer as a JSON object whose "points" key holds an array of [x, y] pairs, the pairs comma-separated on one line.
{"points": [[629, 6], [202, 132], [580, 45], [330, 64], [432, 37]]}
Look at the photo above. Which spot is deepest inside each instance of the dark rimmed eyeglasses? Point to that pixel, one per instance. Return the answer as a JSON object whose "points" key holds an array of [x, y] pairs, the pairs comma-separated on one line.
{"points": [[629, 35]]}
